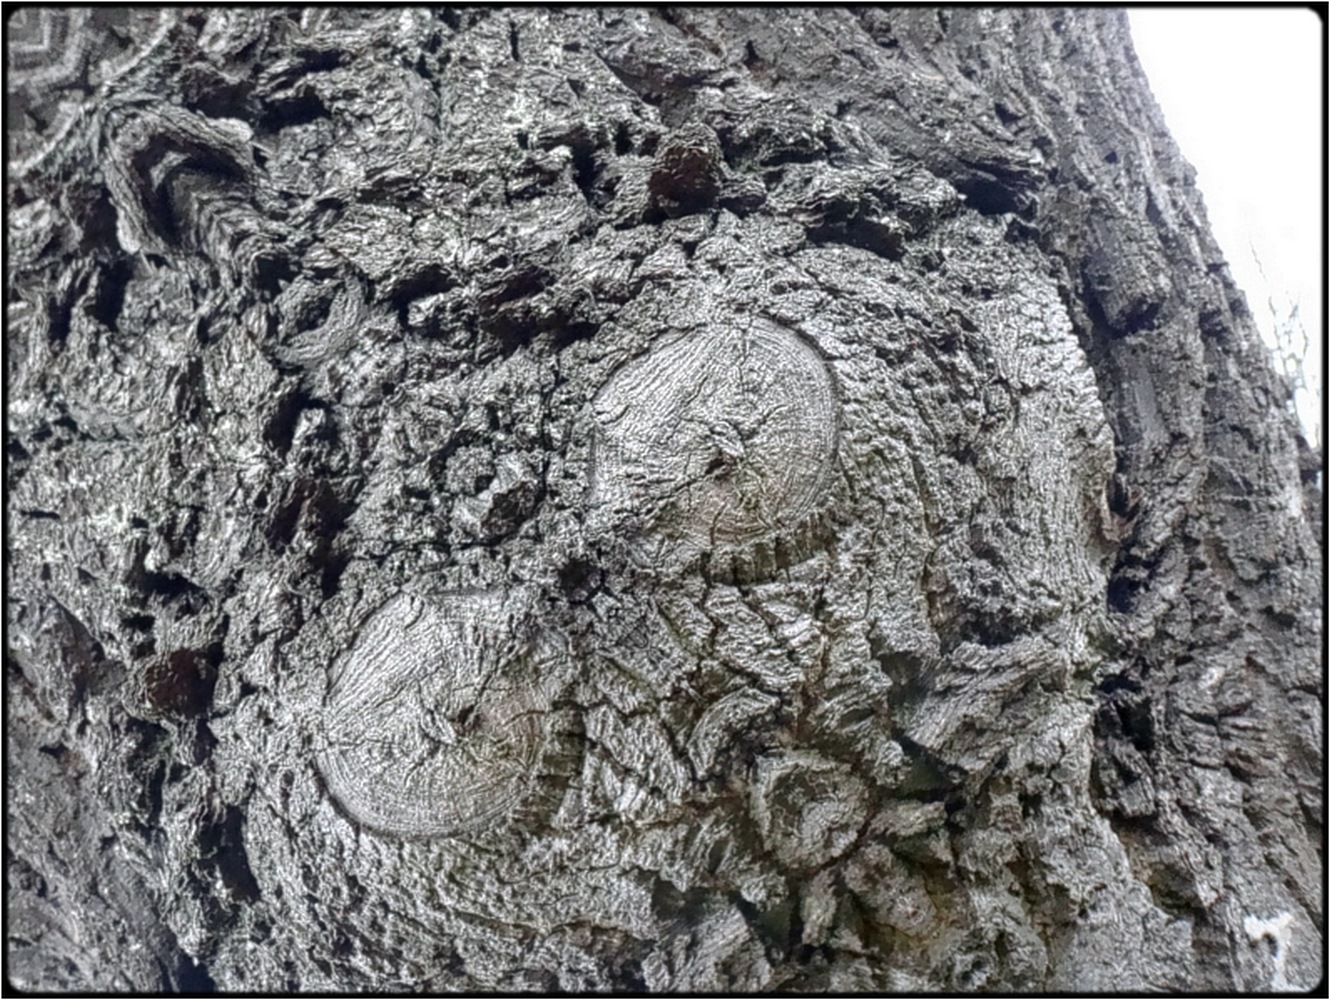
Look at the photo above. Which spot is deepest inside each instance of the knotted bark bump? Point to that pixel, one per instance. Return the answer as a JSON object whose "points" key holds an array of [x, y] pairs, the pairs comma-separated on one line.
{"points": [[432, 725], [724, 436]]}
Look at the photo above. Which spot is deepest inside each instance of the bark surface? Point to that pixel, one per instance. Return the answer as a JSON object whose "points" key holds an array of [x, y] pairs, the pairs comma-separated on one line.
{"points": [[674, 500]]}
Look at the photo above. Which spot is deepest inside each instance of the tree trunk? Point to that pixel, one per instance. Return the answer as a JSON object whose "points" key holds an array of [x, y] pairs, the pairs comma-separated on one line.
{"points": [[676, 500]]}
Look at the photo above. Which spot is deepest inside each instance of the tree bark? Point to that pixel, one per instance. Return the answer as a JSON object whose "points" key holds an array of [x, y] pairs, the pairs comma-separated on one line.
{"points": [[689, 500]]}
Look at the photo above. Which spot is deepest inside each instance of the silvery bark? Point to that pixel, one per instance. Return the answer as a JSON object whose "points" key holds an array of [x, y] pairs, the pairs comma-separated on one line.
{"points": [[590, 499]]}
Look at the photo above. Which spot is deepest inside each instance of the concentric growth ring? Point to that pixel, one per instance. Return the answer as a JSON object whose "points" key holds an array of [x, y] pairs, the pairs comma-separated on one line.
{"points": [[721, 436], [427, 730]]}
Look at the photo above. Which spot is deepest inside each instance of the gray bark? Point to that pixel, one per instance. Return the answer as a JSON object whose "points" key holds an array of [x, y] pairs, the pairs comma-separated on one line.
{"points": [[673, 500]]}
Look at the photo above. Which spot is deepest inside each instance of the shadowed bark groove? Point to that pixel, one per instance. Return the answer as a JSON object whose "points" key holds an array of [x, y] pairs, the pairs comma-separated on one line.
{"points": [[688, 500]]}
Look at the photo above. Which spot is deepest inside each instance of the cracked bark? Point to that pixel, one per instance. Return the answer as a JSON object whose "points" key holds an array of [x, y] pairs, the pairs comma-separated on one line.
{"points": [[843, 421]]}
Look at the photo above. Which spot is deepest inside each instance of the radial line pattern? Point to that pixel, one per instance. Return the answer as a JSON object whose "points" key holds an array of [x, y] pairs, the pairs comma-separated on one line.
{"points": [[721, 436], [429, 730]]}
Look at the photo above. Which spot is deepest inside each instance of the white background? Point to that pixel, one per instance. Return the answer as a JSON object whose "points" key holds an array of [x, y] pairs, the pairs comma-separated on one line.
{"points": [[1241, 93]]}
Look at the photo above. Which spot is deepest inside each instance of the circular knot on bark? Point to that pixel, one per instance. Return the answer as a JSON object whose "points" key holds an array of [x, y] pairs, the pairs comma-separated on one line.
{"points": [[434, 722], [722, 437]]}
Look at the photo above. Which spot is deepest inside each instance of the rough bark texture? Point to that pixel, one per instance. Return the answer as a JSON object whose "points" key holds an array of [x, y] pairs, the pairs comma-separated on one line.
{"points": [[695, 500]]}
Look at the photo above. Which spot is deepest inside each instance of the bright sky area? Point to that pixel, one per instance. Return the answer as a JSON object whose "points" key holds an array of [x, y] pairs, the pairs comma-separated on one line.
{"points": [[1241, 92]]}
